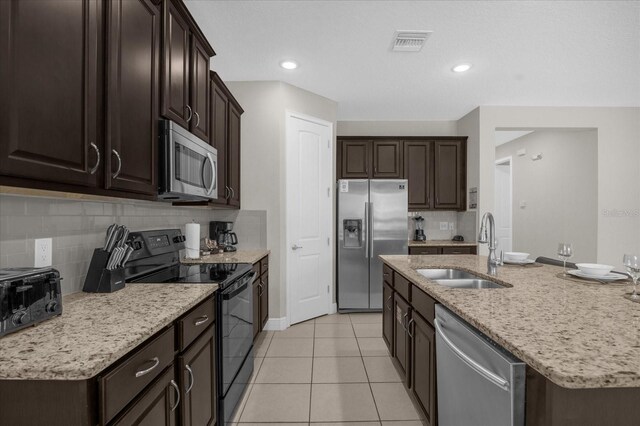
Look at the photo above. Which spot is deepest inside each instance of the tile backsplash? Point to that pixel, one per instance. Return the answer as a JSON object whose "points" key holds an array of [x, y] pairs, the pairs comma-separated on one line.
{"points": [[77, 227], [464, 223]]}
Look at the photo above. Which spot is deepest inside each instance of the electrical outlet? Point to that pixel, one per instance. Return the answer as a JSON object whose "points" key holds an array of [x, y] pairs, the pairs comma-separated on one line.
{"points": [[42, 253], [450, 226], [444, 226]]}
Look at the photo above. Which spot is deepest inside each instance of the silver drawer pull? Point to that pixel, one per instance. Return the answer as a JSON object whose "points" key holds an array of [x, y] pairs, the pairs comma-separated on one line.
{"points": [[191, 379], [201, 320], [177, 389], [155, 361]]}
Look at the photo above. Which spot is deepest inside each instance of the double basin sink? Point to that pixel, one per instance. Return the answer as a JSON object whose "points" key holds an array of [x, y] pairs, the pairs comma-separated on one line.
{"points": [[455, 278]]}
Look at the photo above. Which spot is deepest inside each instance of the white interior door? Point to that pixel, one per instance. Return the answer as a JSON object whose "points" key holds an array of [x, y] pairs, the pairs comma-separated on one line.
{"points": [[504, 204], [308, 221]]}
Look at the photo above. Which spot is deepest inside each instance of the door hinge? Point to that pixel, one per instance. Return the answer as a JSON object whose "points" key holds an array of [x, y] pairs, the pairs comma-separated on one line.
{"points": [[328, 289], [328, 143], [329, 241], [329, 191]]}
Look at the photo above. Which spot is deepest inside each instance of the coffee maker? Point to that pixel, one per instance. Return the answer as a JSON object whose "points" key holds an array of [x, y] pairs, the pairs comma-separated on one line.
{"points": [[222, 233], [419, 232]]}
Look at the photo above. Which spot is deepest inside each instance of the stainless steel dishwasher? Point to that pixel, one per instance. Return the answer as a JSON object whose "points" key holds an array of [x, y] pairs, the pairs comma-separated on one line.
{"points": [[479, 382]]}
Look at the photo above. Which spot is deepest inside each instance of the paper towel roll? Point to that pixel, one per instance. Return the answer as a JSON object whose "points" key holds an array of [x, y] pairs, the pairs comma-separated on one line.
{"points": [[192, 244]]}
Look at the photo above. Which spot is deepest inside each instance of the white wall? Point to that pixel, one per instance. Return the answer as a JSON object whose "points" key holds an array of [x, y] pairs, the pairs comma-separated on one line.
{"points": [[263, 163], [397, 128], [560, 192], [618, 165]]}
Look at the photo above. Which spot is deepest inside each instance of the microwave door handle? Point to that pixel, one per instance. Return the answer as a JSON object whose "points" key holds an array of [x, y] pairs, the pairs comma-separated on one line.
{"points": [[209, 187]]}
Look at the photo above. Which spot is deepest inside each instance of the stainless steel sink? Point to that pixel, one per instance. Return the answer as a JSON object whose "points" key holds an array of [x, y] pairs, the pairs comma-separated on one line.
{"points": [[445, 274], [477, 283], [455, 278]]}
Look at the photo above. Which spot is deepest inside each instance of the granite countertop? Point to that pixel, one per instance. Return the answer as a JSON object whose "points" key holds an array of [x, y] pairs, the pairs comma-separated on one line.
{"points": [[577, 335], [442, 243], [240, 256], [95, 330]]}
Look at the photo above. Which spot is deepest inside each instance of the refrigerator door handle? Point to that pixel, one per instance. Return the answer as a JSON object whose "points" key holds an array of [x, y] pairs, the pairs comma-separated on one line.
{"points": [[370, 225], [366, 230]]}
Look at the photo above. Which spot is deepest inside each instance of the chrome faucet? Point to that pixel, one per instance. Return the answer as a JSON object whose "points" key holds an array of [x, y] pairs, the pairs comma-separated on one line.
{"points": [[490, 239]]}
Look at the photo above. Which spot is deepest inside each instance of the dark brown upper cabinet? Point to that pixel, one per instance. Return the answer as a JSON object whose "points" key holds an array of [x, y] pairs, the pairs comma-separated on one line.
{"points": [[49, 86], [185, 81], [450, 175], [418, 171], [132, 78], [225, 124], [387, 159], [354, 159]]}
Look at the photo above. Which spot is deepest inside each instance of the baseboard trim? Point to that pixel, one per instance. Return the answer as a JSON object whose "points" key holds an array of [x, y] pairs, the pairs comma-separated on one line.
{"points": [[276, 324], [333, 309]]}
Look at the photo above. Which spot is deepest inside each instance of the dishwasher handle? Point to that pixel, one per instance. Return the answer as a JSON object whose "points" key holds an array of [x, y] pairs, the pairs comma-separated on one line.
{"points": [[492, 377]]}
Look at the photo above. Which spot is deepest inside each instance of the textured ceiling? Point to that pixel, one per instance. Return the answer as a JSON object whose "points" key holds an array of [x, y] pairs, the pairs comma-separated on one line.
{"points": [[525, 53]]}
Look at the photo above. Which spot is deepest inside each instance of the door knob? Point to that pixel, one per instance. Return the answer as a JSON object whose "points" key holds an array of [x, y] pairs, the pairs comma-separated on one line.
{"points": [[295, 247]]}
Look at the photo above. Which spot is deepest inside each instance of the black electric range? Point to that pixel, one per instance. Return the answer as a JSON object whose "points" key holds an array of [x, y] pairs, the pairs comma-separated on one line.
{"points": [[156, 259]]}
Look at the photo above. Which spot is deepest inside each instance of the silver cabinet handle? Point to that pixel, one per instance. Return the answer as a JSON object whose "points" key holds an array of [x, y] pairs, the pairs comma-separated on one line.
{"points": [[177, 389], [117, 173], [95, 168], [261, 286], [411, 321], [404, 321], [191, 379], [227, 193], [295, 247], [389, 300], [197, 118], [190, 111], [492, 377], [233, 192], [201, 320], [155, 361]]}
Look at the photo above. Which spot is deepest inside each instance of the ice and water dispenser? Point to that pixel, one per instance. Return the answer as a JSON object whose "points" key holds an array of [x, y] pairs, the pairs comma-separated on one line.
{"points": [[352, 229]]}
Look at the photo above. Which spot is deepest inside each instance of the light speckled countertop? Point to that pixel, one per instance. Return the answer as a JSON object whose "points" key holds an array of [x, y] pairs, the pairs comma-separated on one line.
{"points": [[442, 243], [240, 256], [95, 330], [577, 335]]}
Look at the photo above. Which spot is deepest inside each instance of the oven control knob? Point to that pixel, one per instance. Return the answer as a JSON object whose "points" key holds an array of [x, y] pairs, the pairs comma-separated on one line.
{"points": [[18, 317], [51, 306]]}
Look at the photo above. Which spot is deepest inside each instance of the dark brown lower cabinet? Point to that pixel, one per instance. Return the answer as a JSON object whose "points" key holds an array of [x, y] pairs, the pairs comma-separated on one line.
{"points": [[257, 325], [260, 295], [387, 316], [157, 406], [423, 365], [264, 300], [443, 250], [197, 382], [401, 348]]}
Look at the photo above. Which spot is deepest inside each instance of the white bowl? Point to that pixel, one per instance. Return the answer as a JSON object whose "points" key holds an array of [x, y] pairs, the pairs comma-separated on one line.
{"points": [[515, 255], [594, 268]]}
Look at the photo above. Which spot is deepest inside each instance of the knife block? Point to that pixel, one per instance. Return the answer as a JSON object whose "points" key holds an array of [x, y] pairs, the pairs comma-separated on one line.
{"points": [[99, 279]]}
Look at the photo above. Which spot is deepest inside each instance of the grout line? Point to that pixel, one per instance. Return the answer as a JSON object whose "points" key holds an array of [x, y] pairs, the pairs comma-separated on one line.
{"points": [[375, 404], [313, 349]]}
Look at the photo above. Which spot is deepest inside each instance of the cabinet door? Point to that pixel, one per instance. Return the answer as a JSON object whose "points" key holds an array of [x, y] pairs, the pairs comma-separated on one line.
{"points": [[197, 382], [387, 159], [233, 155], [49, 90], [387, 316], [355, 158], [257, 322], [450, 175], [264, 300], [418, 171], [400, 336], [219, 120], [199, 99], [133, 83], [423, 368], [176, 66], [157, 406]]}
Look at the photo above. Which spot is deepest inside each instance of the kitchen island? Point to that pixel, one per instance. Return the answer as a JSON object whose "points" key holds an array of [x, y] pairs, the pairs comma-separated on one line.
{"points": [[581, 341]]}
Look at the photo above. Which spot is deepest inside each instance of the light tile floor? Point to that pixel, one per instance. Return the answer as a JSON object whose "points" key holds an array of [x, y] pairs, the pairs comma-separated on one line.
{"points": [[334, 370]]}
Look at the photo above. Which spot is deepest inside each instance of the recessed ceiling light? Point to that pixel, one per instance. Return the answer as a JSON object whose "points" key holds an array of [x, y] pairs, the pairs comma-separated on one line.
{"points": [[461, 68], [289, 65]]}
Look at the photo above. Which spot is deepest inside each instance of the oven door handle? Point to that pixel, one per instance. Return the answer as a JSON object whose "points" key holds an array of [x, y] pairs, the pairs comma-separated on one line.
{"points": [[235, 292]]}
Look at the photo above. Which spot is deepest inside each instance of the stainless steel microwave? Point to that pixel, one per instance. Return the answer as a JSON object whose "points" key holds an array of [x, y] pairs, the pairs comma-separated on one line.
{"points": [[188, 165]]}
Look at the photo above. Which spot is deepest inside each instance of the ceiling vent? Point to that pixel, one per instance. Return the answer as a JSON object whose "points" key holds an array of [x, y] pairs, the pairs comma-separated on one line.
{"points": [[409, 41]]}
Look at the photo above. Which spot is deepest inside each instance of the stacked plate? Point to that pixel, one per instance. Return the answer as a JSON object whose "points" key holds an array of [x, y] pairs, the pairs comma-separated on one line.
{"points": [[517, 258], [595, 271]]}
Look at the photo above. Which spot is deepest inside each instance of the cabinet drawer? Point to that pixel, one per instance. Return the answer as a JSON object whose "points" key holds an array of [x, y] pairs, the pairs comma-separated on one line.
{"points": [[264, 265], [425, 250], [256, 268], [122, 384], [424, 304], [402, 286], [195, 322], [387, 274], [457, 250]]}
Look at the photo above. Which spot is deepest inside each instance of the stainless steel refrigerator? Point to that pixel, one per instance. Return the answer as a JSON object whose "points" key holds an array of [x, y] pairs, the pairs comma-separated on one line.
{"points": [[372, 220]]}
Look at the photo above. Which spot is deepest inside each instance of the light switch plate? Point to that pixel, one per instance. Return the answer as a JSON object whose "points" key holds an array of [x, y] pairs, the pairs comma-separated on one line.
{"points": [[42, 253], [444, 226], [451, 226]]}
